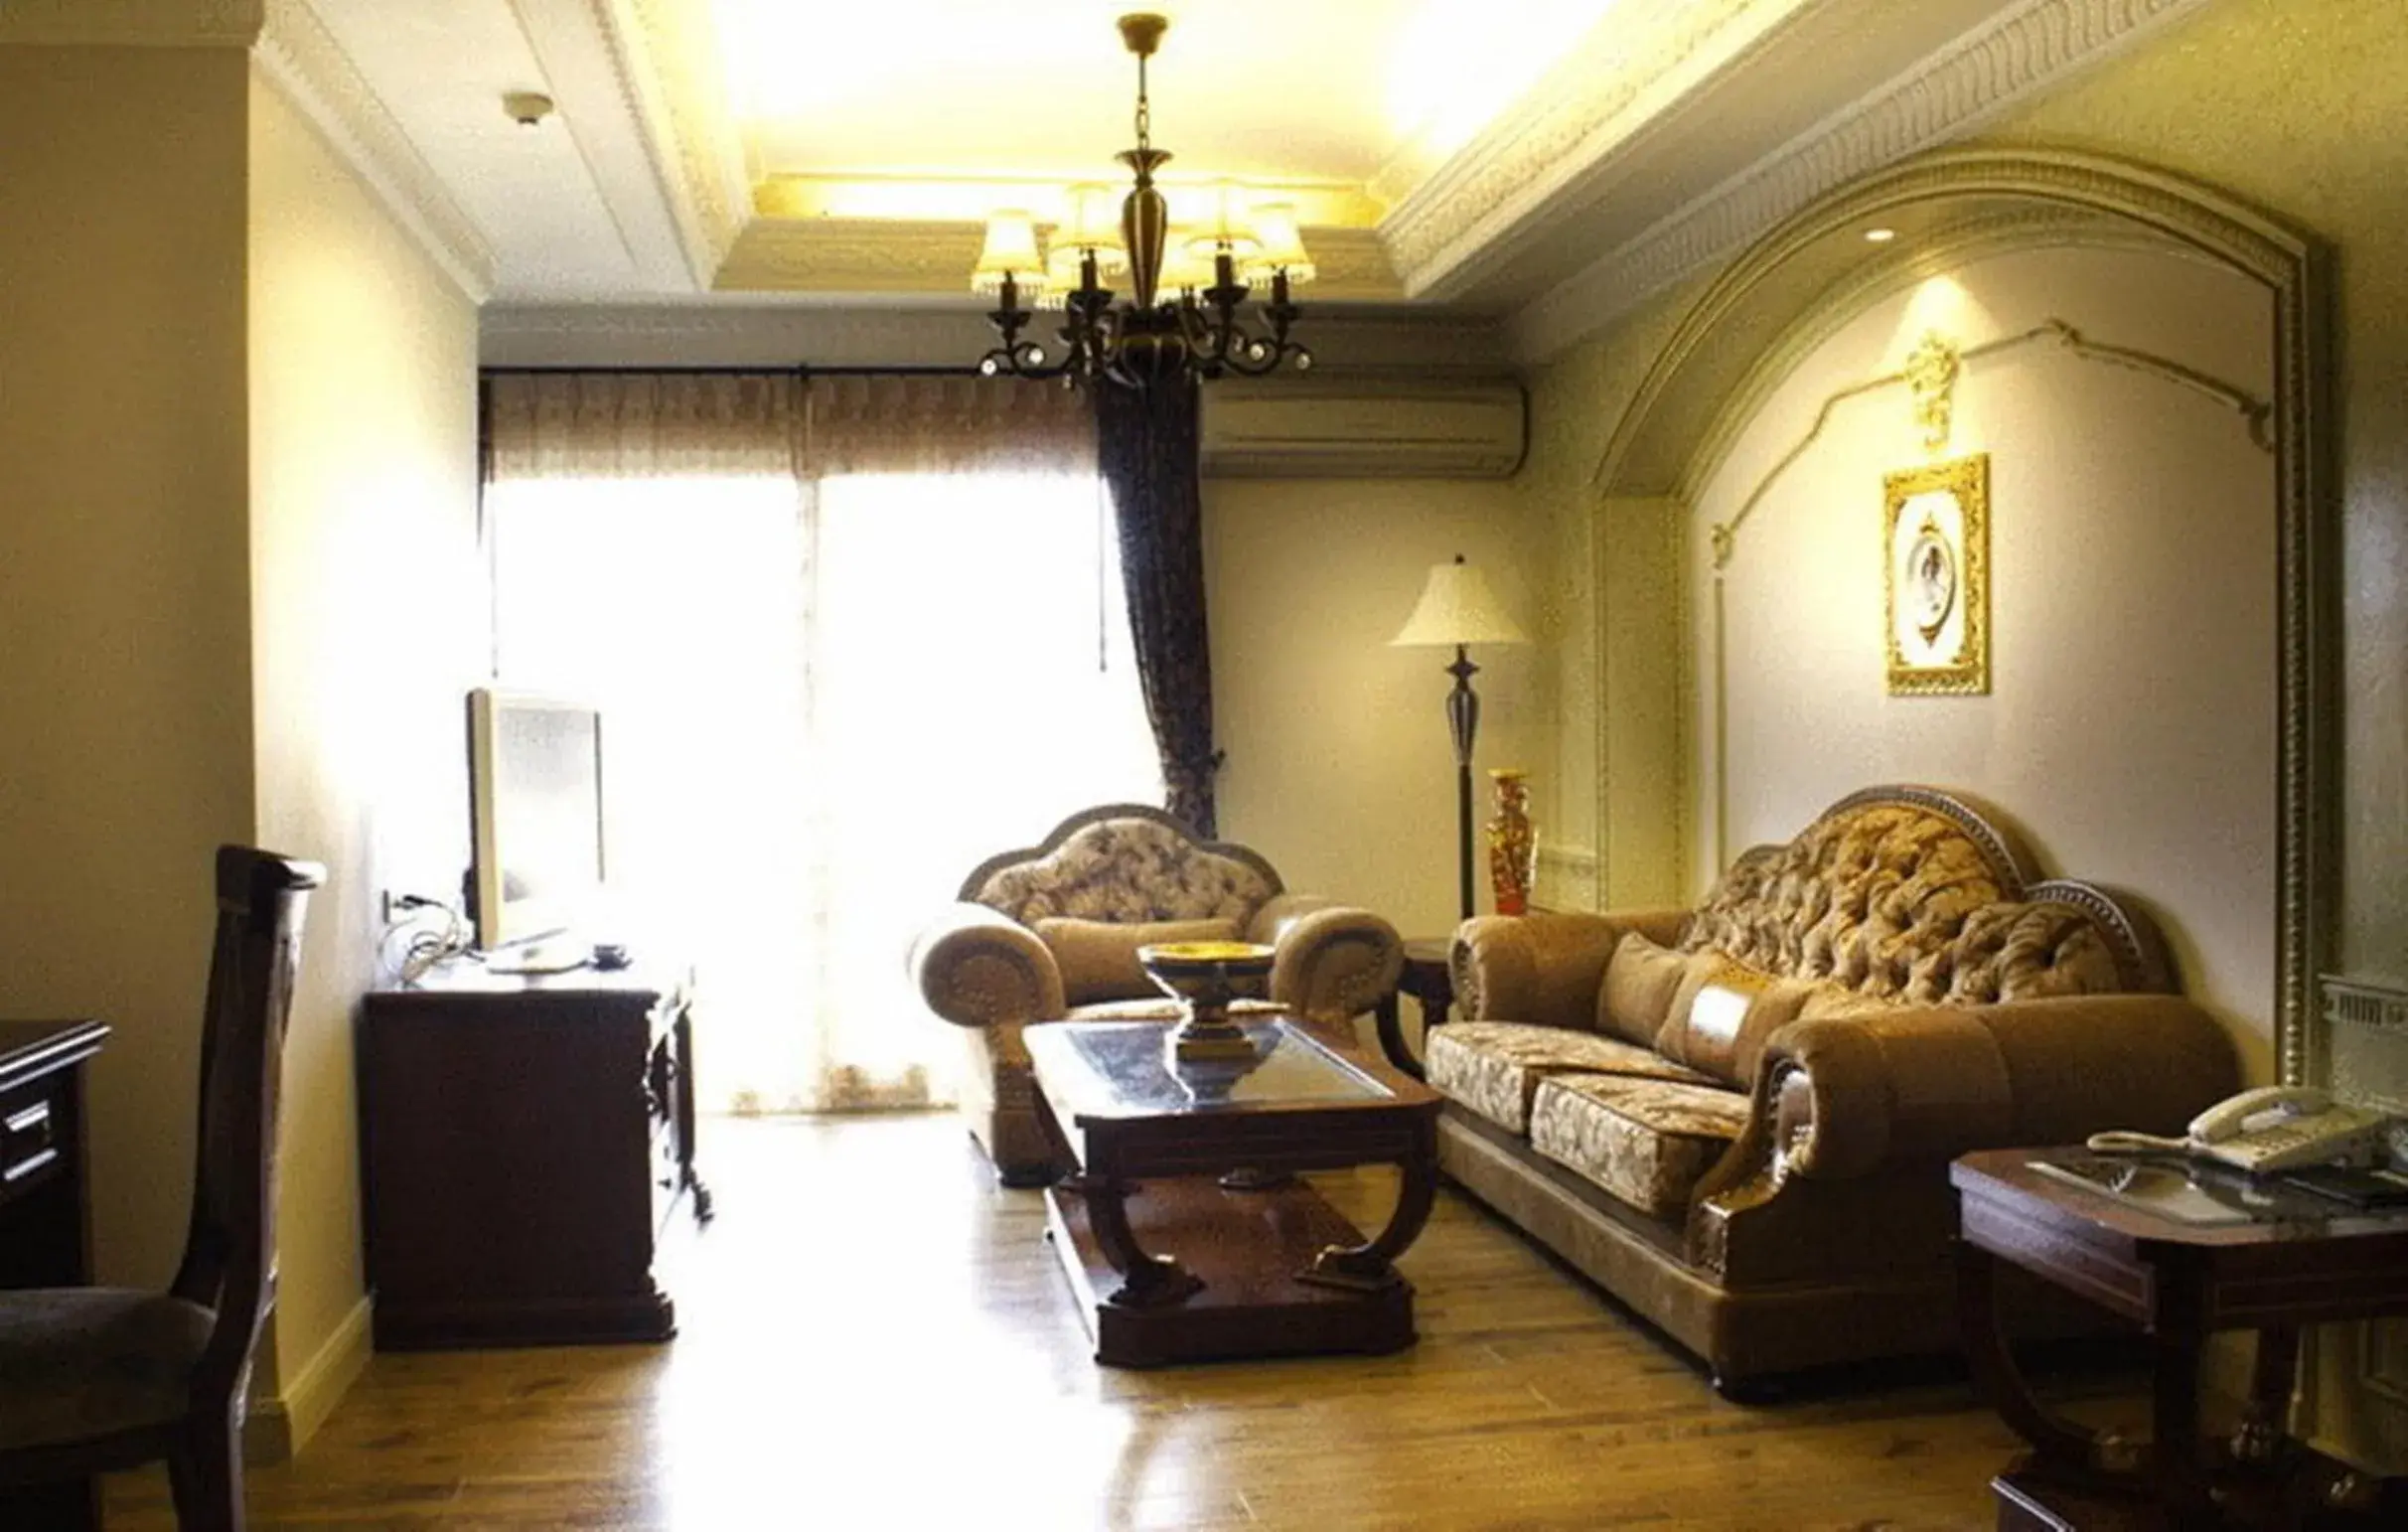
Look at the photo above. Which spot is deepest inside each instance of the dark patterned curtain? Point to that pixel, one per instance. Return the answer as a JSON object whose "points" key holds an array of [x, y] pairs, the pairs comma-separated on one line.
{"points": [[1146, 451]]}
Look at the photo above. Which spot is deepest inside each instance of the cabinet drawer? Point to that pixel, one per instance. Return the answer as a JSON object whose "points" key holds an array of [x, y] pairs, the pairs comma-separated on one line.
{"points": [[29, 1139]]}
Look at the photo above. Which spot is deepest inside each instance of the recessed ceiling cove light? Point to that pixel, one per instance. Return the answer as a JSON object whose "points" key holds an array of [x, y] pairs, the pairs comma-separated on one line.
{"points": [[1880, 235]]}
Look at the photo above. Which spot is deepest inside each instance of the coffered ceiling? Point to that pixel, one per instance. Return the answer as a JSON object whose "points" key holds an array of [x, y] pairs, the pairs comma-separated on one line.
{"points": [[1548, 161]]}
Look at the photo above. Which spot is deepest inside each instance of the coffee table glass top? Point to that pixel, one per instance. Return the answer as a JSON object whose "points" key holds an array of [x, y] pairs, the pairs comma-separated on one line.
{"points": [[1121, 1069]]}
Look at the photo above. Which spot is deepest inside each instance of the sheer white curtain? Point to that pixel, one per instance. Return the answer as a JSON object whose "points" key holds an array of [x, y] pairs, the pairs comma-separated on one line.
{"points": [[840, 665]]}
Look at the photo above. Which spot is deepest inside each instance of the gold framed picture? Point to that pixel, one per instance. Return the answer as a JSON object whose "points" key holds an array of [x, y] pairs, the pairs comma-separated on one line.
{"points": [[1935, 549]]}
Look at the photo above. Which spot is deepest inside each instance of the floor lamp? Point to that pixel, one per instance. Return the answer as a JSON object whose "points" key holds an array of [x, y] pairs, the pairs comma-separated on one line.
{"points": [[1459, 608]]}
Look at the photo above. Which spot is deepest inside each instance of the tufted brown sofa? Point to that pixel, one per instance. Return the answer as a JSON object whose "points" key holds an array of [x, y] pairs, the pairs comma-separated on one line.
{"points": [[1049, 932], [1738, 1118]]}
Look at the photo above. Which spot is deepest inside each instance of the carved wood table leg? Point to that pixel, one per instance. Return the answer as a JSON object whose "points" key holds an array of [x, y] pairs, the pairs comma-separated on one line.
{"points": [[1372, 1264], [1146, 1281], [2060, 1442], [2266, 1419]]}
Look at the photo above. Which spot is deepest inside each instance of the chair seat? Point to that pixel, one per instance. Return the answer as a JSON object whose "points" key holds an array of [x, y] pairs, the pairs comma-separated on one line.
{"points": [[78, 1364], [1646, 1143], [1494, 1068]]}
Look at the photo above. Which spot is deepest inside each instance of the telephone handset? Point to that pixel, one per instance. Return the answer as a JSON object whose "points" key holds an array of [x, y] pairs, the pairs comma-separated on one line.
{"points": [[2273, 1128]]}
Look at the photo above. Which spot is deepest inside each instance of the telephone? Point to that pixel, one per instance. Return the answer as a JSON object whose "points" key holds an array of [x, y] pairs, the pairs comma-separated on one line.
{"points": [[2273, 1128]]}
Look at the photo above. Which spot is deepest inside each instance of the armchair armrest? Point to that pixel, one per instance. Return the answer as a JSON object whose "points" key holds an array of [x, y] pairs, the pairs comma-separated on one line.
{"points": [[1545, 967], [1331, 962], [978, 967], [1842, 1097]]}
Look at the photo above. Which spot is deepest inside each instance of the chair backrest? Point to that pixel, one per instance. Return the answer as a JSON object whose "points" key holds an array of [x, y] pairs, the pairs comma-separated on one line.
{"points": [[230, 1255], [1909, 893], [1123, 862]]}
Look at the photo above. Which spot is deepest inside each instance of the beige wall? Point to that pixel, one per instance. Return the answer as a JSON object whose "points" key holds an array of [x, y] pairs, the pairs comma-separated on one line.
{"points": [[124, 608], [2297, 106], [2294, 105], [1339, 765], [1618, 714], [367, 625], [2130, 723]]}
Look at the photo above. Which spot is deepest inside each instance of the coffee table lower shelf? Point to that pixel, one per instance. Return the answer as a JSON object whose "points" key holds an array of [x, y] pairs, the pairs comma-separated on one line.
{"points": [[1246, 1247]]}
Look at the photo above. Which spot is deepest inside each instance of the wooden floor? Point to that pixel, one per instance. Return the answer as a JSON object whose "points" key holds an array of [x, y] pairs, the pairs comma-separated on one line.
{"points": [[874, 1335]]}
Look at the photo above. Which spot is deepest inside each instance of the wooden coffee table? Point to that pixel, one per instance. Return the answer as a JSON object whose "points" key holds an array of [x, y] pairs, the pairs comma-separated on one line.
{"points": [[1201, 1161]]}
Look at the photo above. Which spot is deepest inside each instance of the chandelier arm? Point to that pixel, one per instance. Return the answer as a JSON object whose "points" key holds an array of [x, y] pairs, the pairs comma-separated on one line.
{"points": [[1148, 337]]}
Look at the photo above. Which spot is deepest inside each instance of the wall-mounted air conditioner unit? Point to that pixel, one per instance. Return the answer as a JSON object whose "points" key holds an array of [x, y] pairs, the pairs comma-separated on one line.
{"points": [[1363, 427]]}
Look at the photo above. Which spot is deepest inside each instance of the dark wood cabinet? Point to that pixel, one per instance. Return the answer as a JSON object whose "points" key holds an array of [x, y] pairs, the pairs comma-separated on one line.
{"points": [[44, 1210], [524, 1142]]}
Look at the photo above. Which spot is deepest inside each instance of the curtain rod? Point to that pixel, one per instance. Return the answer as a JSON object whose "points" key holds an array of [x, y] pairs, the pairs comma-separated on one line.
{"points": [[799, 369]]}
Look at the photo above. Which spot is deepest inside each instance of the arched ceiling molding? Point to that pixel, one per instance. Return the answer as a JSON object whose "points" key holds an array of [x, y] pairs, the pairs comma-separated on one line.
{"points": [[1769, 291], [1864, 285]]}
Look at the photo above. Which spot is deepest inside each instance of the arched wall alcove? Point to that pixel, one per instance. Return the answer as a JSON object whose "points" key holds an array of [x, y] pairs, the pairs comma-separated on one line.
{"points": [[1798, 287]]}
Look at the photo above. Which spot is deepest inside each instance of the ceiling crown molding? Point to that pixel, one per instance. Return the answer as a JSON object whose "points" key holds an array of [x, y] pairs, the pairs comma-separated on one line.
{"points": [[1643, 56], [302, 60], [131, 23], [1942, 99], [668, 57]]}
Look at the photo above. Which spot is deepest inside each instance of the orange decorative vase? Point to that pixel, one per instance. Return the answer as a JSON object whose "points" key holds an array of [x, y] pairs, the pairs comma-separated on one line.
{"points": [[1513, 848]]}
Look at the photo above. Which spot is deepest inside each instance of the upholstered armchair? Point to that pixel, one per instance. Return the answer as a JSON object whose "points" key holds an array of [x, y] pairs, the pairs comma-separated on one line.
{"points": [[1051, 932]]}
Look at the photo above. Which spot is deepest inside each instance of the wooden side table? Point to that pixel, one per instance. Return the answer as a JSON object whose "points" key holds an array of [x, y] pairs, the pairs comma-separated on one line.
{"points": [[1426, 980], [2277, 1259]]}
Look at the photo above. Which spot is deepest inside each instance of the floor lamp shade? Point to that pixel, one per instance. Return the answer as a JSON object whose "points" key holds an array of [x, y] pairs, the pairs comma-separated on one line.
{"points": [[1459, 608]]}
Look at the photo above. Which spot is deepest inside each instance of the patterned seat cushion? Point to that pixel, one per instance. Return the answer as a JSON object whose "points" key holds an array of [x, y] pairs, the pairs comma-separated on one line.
{"points": [[1494, 1068], [1645, 1142], [83, 1362]]}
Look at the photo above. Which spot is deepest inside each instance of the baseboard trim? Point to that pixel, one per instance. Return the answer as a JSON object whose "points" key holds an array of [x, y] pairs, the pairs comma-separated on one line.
{"points": [[282, 1423]]}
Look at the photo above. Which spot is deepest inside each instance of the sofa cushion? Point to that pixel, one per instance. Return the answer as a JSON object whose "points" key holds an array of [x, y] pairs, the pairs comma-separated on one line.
{"points": [[1722, 1013], [1640, 980], [1099, 958], [1494, 1068], [1646, 1143]]}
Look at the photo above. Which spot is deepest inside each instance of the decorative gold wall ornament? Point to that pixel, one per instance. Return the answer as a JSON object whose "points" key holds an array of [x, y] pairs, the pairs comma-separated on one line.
{"points": [[1935, 549], [1931, 372]]}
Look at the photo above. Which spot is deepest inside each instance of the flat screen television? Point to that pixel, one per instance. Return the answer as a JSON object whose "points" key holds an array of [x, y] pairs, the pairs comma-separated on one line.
{"points": [[534, 781]]}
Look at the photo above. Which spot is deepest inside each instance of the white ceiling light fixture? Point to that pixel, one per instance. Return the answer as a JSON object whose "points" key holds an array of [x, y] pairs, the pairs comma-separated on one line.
{"points": [[528, 109], [1181, 314]]}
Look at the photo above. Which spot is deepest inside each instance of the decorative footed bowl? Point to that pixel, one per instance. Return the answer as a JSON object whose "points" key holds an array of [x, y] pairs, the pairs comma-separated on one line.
{"points": [[1204, 977]]}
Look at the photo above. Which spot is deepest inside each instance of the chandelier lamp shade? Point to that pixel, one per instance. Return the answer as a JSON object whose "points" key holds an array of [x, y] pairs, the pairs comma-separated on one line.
{"points": [[1458, 608], [1179, 316]]}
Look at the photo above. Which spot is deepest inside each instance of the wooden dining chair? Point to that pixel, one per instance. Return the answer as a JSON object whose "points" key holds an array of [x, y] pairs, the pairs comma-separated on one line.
{"points": [[95, 1379]]}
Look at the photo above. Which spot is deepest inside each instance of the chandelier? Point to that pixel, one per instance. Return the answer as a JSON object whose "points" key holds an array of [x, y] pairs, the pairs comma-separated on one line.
{"points": [[1182, 313]]}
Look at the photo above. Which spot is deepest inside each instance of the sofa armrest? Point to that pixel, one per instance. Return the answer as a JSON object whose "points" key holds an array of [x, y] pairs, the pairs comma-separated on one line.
{"points": [[977, 967], [1333, 962], [1545, 967], [1845, 1095], [1854, 1117]]}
